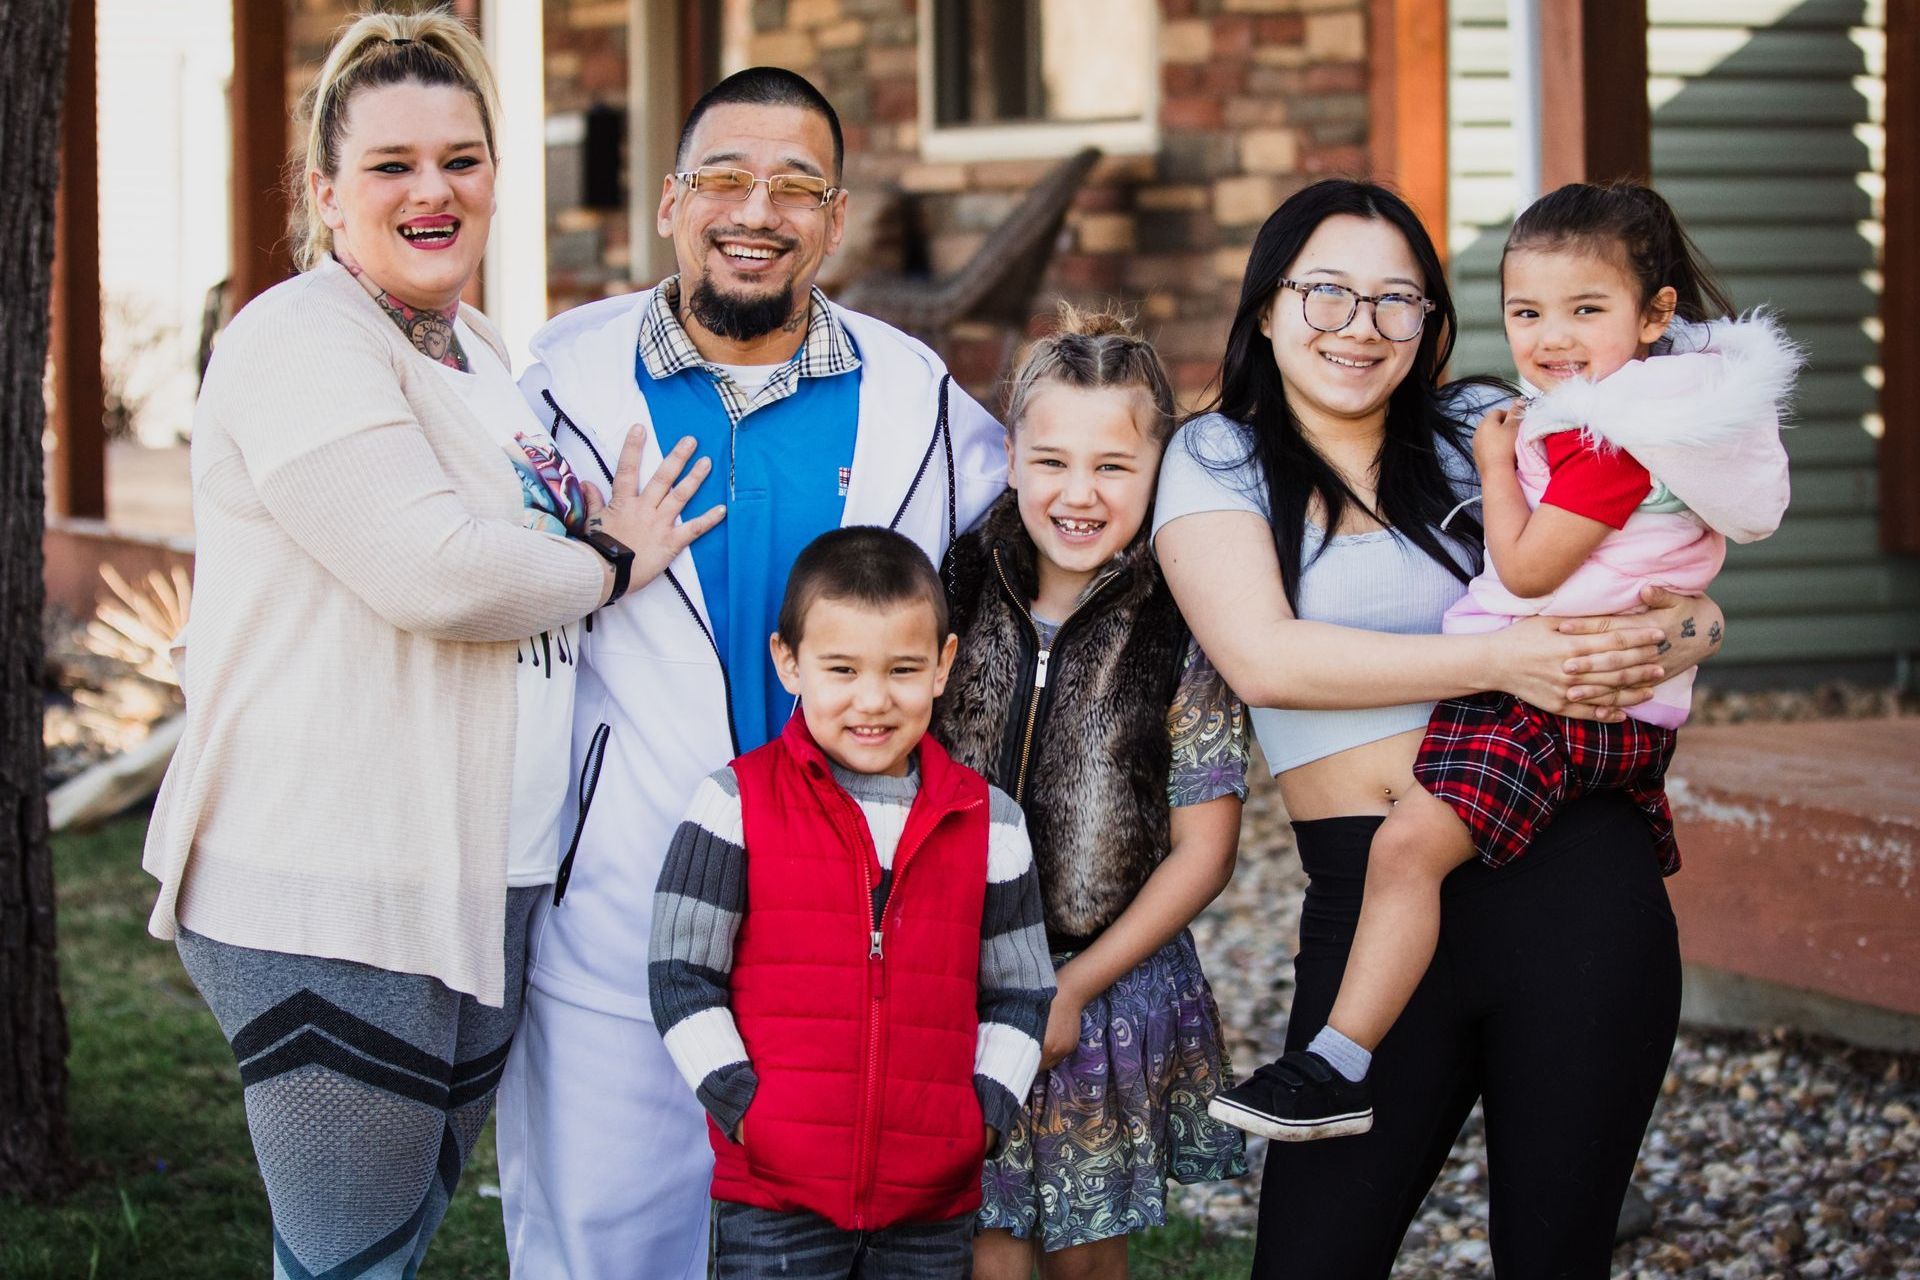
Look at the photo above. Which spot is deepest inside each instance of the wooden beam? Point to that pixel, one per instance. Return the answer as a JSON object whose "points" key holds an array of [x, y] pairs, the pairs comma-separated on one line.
{"points": [[700, 23], [1407, 105], [257, 105], [78, 462], [1596, 123]]}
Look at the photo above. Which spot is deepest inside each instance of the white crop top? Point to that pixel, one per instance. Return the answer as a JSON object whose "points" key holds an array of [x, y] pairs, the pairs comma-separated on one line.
{"points": [[1375, 581]]}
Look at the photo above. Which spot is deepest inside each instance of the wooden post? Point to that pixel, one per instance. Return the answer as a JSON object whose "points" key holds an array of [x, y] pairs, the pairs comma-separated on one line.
{"points": [[1597, 124], [699, 55], [1407, 105], [257, 106], [78, 463], [1899, 310]]}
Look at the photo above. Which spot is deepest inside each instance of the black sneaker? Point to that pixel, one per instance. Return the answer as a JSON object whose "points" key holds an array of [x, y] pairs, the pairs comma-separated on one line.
{"points": [[1297, 1099]]}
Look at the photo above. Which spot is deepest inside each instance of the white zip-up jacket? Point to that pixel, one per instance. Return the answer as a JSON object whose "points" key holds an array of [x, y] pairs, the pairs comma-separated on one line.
{"points": [[651, 712]]}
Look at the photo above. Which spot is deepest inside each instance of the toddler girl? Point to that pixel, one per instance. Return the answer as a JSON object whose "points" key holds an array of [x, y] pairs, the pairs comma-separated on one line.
{"points": [[1620, 472], [1079, 691]]}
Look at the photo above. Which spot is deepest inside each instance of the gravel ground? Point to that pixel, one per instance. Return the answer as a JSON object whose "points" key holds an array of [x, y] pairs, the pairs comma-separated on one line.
{"points": [[1769, 1156]]}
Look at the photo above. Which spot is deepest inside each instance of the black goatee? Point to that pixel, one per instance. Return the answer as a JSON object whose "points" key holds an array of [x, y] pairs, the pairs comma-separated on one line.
{"points": [[735, 318]]}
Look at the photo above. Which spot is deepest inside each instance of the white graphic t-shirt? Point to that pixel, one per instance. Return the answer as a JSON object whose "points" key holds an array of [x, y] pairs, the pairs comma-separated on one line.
{"points": [[543, 736]]}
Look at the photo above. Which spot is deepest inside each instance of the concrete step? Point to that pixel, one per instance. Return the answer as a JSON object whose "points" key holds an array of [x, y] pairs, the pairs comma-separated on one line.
{"points": [[1801, 876]]}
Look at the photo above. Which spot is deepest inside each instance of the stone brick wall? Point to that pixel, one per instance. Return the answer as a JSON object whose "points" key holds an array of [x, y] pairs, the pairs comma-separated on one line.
{"points": [[1258, 98]]}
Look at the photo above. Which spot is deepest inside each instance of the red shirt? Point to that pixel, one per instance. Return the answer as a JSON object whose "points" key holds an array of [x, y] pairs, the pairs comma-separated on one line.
{"points": [[1593, 480]]}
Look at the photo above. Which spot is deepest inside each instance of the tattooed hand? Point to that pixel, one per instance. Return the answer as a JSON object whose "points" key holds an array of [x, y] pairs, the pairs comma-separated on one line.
{"points": [[646, 517]]}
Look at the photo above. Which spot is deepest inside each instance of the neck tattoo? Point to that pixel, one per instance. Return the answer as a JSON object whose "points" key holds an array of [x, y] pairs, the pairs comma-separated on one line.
{"points": [[431, 332]]}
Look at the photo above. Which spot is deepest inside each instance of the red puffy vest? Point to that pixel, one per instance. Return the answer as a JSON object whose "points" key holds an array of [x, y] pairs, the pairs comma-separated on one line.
{"points": [[862, 1039]]}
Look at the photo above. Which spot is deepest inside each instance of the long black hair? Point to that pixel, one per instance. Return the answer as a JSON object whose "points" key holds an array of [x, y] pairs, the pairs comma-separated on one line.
{"points": [[1632, 224], [1412, 491]]}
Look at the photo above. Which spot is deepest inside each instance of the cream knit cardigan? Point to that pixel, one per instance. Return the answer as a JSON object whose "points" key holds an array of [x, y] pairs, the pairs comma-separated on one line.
{"points": [[361, 581]]}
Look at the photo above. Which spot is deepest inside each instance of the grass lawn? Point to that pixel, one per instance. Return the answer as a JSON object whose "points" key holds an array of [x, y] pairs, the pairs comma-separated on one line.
{"points": [[170, 1190]]}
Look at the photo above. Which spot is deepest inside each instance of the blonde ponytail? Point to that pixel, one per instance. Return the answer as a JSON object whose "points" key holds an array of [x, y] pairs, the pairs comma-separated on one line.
{"points": [[1093, 350], [379, 49]]}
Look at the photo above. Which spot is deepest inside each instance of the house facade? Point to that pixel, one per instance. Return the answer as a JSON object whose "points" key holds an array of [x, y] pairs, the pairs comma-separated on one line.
{"points": [[1782, 130]]}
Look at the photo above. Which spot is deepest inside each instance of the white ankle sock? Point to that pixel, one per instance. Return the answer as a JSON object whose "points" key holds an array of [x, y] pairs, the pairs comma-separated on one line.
{"points": [[1342, 1054]]}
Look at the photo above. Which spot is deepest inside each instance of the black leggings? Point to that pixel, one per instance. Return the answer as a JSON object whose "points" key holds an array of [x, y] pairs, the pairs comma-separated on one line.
{"points": [[1554, 995]]}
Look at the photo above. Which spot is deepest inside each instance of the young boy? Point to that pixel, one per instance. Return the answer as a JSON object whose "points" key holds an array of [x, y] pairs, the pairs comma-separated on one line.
{"points": [[849, 964]]}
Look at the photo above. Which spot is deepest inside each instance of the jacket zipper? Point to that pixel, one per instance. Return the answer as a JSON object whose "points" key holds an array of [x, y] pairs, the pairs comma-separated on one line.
{"points": [[1041, 663], [866, 1125], [589, 783], [560, 418]]}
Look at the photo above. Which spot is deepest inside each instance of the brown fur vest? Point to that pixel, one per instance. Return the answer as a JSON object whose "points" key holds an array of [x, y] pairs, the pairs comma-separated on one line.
{"points": [[1087, 755]]}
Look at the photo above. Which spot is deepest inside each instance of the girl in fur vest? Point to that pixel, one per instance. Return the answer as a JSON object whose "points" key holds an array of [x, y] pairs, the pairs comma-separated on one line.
{"points": [[1080, 692], [1619, 472]]}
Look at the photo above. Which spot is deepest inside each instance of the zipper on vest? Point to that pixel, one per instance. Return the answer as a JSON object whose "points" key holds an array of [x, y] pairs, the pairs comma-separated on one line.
{"points": [[1039, 678], [869, 1140], [1044, 660], [865, 1125], [560, 419]]}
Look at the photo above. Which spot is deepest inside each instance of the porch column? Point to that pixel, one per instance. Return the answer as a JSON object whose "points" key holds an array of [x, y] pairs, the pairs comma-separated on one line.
{"points": [[1407, 105], [78, 461], [1595, 121], [516, 265], [258, 108]]}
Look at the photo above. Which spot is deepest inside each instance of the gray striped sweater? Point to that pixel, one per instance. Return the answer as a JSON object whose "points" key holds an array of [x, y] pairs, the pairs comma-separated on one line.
{"points": [[701, 900]]}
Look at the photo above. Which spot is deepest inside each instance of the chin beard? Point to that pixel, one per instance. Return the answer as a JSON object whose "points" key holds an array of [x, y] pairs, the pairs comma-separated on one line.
{"points": [[735, 318]]}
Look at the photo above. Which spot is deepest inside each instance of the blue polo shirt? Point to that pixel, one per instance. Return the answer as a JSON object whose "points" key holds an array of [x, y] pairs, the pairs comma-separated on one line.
{"points": [[782, 471]]}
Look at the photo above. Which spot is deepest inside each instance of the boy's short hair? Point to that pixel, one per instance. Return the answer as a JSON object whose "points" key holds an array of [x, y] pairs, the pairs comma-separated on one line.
{"points": [[864, 565]]}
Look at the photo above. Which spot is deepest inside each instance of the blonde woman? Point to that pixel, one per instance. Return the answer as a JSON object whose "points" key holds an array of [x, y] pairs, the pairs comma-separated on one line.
{"points": [[393, 561]]}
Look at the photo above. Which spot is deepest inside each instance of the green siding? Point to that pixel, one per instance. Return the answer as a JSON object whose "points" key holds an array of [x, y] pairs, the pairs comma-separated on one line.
{"points": [[1766, 138]]}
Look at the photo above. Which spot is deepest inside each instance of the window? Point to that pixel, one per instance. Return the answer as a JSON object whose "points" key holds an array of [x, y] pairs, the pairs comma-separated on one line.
{"points": [[1006, 79]]}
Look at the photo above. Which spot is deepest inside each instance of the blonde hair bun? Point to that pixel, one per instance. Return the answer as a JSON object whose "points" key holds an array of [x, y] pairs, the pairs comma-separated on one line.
{"points": [[1107, 321]]}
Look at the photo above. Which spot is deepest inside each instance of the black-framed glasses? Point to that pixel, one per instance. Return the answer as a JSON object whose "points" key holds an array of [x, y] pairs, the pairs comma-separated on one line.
{"points": [[1328, 307], [788, 190]]}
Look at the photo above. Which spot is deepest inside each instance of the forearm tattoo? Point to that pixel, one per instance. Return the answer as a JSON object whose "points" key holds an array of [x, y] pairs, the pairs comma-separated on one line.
{"points": [[431, 332]]}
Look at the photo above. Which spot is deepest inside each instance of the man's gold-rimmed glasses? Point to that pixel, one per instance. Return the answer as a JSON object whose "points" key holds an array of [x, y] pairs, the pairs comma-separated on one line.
{"points": [[788, 190]]}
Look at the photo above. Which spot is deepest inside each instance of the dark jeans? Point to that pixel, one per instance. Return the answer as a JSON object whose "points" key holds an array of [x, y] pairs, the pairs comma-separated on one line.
{"points": [[755, 1244], [1554, 997]]}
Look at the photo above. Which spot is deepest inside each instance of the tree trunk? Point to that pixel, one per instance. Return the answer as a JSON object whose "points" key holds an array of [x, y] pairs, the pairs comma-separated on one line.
{"points": [[33, 1028]]}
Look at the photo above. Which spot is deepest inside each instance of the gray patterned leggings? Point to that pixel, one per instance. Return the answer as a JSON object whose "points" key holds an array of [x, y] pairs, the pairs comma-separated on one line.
{"points": [[365, 1090]]}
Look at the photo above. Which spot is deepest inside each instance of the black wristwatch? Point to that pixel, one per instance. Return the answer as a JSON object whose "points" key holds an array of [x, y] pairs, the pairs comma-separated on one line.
{"points": [[618, 554]]}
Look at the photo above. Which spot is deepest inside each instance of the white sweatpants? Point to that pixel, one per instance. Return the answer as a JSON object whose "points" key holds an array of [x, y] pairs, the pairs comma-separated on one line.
{"points": [[604, 1162]]}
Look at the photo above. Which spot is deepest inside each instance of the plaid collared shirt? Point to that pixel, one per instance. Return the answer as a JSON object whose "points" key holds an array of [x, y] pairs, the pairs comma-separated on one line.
{"points": [[667, 350]]}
